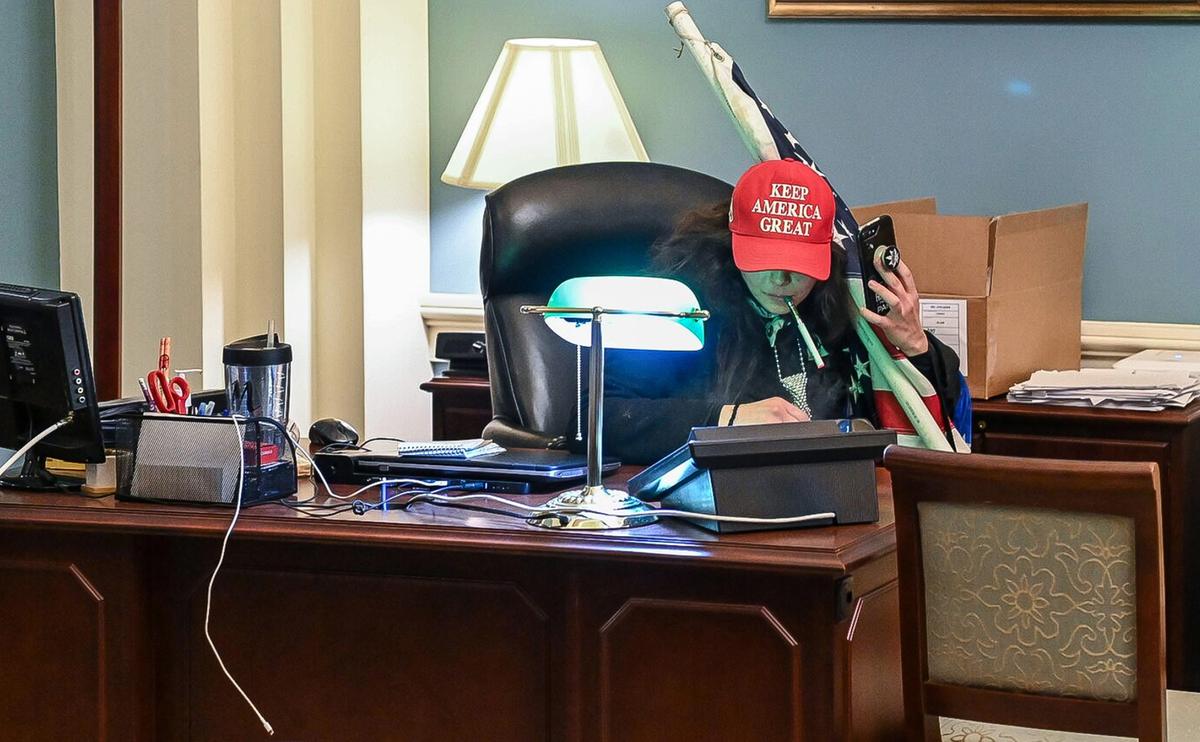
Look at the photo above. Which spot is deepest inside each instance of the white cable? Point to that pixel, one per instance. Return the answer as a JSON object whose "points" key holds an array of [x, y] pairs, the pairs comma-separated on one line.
{"points": [[493, 498], [388, 499], [237, 508], [20, 452], [385, 500], [543, 510], [329, 490], [540, 510], [315, 469], [703, 516], [388, 482]]}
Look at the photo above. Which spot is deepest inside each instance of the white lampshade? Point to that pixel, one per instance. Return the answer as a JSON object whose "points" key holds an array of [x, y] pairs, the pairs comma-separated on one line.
{"points": [[548, 102]]}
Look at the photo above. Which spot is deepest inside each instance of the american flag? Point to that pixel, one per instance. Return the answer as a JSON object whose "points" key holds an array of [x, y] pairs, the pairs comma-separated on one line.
{"points": [[845, 227], [904, 399]]}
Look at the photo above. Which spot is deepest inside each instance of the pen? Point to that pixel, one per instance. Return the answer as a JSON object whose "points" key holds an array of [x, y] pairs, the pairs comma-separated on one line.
{"points": [[146, 393]]}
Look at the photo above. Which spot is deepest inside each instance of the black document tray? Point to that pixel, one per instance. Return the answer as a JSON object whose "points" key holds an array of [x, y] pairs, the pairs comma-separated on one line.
{"points": [[771, 471]]}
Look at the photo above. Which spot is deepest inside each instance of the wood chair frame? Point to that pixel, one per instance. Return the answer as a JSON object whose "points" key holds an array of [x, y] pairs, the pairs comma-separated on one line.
{"points": [[1110, 488]]}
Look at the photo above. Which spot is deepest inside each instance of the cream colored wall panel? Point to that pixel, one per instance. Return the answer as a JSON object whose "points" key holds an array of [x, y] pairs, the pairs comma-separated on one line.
{"points": [[395, 212], [338, 304], [218, 193], [160, 181], [258, 174], [73, 53], [299, 199], [276, 167]]}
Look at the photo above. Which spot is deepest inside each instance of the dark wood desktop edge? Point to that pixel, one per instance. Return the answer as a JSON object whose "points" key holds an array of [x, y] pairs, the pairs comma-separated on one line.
{"points": [[461, 405], [999, 406], [456, 382], [707, 550]]}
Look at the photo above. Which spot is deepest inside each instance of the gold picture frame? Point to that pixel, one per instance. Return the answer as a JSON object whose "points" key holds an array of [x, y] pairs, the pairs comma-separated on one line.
{"points": [[987, 8]]}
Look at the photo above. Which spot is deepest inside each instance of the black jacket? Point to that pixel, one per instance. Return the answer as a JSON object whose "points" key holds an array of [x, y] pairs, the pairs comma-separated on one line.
{"points": [[654, 398]]}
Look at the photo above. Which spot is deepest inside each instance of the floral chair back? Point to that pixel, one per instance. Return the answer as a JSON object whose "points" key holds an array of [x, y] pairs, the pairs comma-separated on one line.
{"points": [[1031, 593]]}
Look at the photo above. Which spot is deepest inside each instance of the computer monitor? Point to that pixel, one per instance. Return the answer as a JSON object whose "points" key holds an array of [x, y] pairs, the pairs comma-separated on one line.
{"points": [[46, 376]]}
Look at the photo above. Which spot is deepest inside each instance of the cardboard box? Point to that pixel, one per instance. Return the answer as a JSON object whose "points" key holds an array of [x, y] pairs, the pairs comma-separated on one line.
{"points": [[1007, 289]]}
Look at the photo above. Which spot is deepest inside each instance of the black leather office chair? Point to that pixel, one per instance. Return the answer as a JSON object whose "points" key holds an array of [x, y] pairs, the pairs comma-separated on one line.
{"points": [[583, 220]]}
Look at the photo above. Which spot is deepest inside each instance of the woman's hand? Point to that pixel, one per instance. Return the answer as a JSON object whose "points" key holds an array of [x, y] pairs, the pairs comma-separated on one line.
{"points": [[902, 325], [773, 410]]}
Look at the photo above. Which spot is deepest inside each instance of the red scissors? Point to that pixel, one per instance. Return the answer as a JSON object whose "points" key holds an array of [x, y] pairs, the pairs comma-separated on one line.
{"points": [[169, 395]]}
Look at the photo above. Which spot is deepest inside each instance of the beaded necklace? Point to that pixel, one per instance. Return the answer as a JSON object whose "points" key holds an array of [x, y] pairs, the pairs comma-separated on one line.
{"points": [[796, 384]]}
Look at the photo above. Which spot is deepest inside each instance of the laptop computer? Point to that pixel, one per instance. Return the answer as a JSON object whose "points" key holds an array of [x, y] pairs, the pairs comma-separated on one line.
{"points": [[515, 470]]}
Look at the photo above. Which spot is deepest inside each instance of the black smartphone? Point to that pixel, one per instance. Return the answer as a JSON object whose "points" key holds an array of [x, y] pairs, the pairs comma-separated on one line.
{"points": [[877, 240]]}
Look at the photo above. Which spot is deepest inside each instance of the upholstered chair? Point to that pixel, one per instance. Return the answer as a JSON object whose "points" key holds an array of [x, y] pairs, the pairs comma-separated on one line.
{"points": [[1031, 600]]}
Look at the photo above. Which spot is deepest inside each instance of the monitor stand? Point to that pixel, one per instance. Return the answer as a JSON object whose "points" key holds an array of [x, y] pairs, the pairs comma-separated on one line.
{"points": [[35, 477]]}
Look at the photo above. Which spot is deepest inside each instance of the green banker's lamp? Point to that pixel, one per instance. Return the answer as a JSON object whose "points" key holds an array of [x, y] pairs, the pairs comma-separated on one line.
{"points": [[637, 313]]}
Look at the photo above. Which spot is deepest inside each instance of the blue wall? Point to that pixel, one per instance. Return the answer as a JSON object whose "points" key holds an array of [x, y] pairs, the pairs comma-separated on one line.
{"points": [[28, 144], [988, 117]]}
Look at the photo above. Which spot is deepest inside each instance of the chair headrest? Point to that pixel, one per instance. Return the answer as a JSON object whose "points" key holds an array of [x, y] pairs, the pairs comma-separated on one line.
{"points": [[590, 219]]}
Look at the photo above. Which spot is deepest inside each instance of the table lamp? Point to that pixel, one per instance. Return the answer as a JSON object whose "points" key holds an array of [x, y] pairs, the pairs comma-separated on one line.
{"points": [[548, 102], [617, 312]]}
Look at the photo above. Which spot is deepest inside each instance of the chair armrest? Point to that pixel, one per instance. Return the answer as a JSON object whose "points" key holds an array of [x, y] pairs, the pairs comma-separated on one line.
{"points": [[514, 436]]}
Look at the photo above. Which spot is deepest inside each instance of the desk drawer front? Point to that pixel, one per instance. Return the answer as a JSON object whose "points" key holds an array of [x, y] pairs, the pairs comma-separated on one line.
{"points": [[1083, 449], [742, 667]]}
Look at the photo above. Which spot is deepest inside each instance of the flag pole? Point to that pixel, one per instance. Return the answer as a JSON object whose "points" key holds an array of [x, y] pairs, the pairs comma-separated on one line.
{"points": [[717, 67], [750, 121]]}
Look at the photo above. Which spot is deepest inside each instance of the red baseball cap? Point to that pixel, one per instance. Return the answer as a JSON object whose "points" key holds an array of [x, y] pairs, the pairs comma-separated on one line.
{"points": [[781, 218]]}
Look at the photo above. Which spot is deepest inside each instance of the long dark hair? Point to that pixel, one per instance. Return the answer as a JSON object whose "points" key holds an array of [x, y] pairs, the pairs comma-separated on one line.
{"points": [[700, 253]]}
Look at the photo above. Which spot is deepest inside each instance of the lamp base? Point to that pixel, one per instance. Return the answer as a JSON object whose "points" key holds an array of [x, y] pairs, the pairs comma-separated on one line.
{"points": [[613, 509]]}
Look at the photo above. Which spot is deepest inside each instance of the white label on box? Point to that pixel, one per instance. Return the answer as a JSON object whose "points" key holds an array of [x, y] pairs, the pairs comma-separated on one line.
{"points": [[946, 319]]}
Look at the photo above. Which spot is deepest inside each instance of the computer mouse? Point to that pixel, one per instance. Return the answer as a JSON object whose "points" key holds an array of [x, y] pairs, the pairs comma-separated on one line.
{"points": [[330, 430]]}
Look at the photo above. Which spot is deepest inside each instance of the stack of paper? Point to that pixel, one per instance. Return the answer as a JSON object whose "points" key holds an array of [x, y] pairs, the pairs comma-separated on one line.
{"points": [[469, 448], [1104, 387], [1157, 359]]}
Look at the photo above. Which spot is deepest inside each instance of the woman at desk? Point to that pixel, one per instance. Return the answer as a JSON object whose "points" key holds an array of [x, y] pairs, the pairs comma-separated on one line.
{"points": [[747, 260]]}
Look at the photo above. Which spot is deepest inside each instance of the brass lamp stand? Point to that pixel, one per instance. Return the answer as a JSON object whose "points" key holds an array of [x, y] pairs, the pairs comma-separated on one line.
{"points": [[595, 506]]}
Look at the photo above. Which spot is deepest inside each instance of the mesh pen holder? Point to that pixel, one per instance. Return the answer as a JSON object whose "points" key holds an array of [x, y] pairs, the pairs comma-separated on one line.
{"points": [[195, 460]]}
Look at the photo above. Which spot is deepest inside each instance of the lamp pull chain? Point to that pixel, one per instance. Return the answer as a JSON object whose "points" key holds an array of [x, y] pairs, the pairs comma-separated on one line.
{"points": [[578, 392]]}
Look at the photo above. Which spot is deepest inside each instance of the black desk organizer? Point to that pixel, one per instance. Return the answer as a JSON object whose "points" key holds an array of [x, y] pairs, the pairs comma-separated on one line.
{"points": [[186, 459], [771, 471]]}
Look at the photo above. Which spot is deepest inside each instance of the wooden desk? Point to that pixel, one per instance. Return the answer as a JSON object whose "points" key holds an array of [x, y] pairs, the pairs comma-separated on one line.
{"points": [[1172, 439], [440, 625], [462, 406]]}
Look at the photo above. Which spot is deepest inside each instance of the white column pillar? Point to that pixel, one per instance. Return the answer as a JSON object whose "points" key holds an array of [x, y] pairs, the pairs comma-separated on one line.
{"points": [[338, 283], [299, 200], [76, 146], [258, 175], [218, 188], [241, 173], [395, 210], [160, 182], [277, 167]]}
